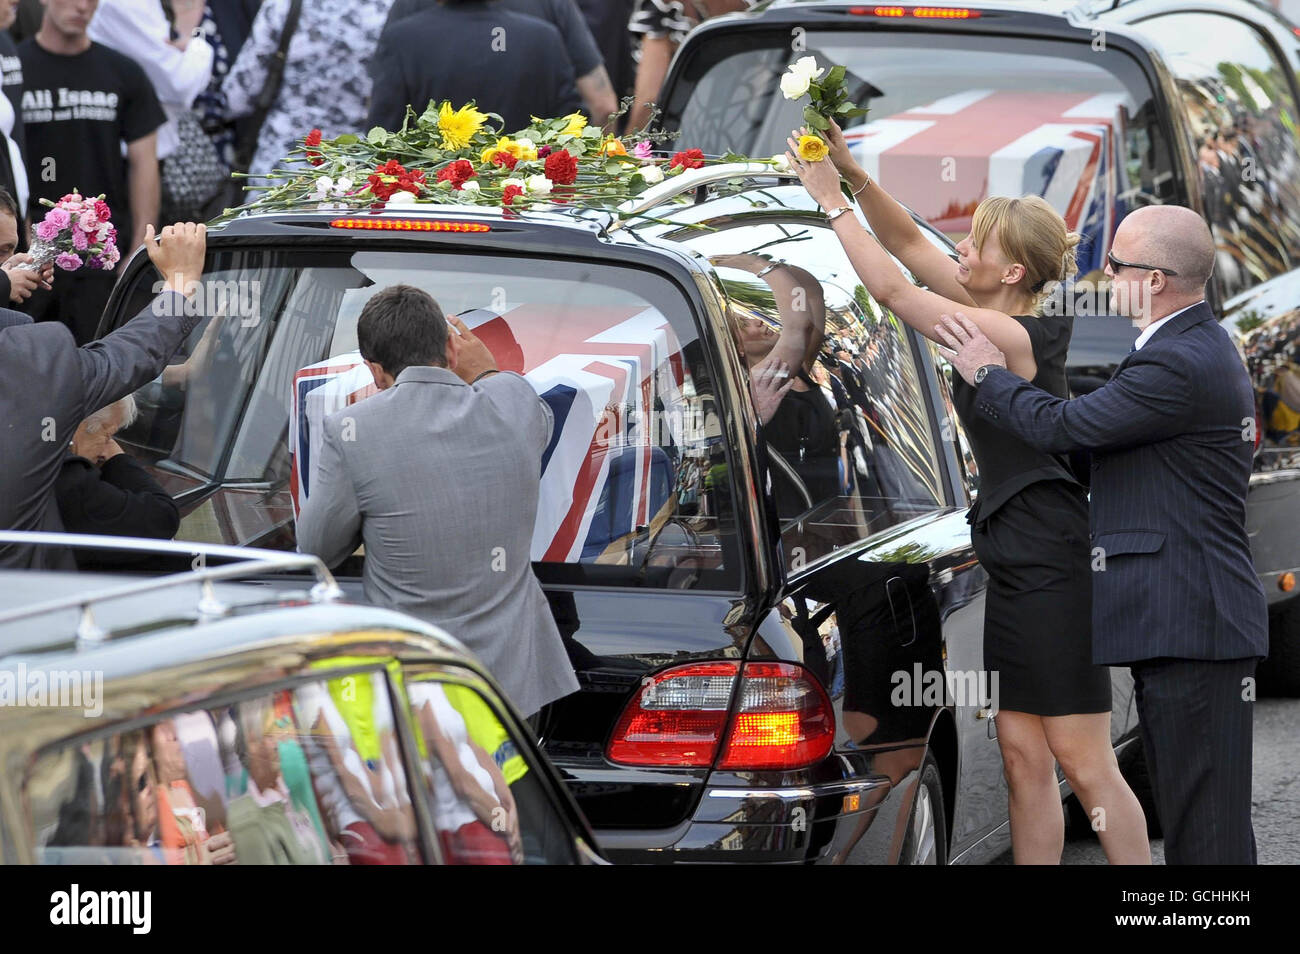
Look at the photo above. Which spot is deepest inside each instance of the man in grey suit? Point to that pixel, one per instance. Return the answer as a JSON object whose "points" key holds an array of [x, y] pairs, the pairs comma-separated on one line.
{"points": [[50, 385], [1175, 595], [438, 475]]}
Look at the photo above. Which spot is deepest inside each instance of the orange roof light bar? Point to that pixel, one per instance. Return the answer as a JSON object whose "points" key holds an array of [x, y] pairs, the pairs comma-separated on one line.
{"points": [[409, 225], [923, 13]]}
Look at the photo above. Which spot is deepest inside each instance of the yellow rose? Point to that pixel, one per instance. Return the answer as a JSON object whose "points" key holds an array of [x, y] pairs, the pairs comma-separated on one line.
{"points": [[812, 148]]}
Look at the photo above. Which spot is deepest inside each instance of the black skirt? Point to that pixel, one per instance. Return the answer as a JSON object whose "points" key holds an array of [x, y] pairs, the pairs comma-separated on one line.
{"points": [[1038, 611]]}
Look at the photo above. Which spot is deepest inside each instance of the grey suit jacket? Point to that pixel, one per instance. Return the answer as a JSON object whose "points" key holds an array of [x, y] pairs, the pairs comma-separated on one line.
{"points": [[49, 385], [1172, 447], [440, 480]]}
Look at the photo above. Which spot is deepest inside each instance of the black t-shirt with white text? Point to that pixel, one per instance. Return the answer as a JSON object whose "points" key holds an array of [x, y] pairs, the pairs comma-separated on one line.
{"points": [[77, 113]]}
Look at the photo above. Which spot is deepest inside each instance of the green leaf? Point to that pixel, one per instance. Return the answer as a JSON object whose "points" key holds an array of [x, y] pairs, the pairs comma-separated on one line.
{"points": [[835, 77], [843, 108], [347, 139], [855, 112], [378, 135], [814, 119], [815, 93]]}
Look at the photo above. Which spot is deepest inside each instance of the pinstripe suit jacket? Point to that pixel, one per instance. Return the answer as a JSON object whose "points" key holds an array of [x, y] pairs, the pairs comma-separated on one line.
{"points": [[440, 480], [1172, 450]]}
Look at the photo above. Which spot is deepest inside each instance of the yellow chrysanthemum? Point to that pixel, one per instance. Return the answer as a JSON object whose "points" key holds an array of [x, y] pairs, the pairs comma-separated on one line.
{"points": [[459, 126], [612, 147], [577, 122], [812, 148]]}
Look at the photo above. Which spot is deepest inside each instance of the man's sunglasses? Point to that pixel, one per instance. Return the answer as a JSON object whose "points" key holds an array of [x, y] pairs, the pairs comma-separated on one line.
{"points": [[1116, 264]]}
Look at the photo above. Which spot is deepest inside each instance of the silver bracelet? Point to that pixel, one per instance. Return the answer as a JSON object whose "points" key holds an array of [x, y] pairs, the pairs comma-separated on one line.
{"points": [[767, 268], [863, 186]]}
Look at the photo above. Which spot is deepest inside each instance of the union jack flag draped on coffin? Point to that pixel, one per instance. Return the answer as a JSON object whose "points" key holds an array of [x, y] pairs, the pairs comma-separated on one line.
{"points": [[943, 158], [613, 378]]}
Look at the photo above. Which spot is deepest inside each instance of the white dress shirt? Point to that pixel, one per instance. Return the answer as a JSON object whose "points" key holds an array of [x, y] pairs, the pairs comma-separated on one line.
{"points": [[1152, 328], [15, 155], [139, 29]]}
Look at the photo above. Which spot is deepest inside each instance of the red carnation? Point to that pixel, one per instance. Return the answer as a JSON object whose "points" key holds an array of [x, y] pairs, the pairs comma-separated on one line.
{"points": [[403, 180], [313, 139], [503, 158], [690, 159], [561, 167], [508, 194], [102, 212], [457, 173]]}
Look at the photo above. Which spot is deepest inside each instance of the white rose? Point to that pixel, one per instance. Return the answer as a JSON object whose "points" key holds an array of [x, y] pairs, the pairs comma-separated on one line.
{"points": [[780, 163], [470, 186], [652, 174], [506, 183], [794, 85], [539, 185], [343, 186], [324, 185], [807, 66], [526, 145], [401, 197]]}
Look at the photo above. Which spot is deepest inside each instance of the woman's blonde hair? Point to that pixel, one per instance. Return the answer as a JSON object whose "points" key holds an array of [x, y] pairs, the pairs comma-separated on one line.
{"points": [[1032, 234]]}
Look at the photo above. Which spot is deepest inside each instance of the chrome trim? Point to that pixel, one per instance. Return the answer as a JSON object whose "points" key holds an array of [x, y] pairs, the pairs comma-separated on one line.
{"points": [[692, 179], [850, 787], [251, 561]]}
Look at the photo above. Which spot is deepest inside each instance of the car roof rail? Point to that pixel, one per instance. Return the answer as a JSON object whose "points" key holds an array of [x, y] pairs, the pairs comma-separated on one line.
{"points": [[249, 561], [692, 180]]}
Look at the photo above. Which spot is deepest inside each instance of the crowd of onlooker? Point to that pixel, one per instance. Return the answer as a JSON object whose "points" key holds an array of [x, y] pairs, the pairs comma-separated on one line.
{"points": [[153, 103]]}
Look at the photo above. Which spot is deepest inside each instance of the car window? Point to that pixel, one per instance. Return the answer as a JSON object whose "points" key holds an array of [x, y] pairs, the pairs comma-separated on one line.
{"points": [[854, 429], [490, 803], [1243, 118], [613, 351], [306, 775], [950, 122]]}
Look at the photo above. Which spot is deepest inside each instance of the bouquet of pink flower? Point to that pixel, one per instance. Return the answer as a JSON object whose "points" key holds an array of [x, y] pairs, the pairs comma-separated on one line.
{"points": [[76, 232]]}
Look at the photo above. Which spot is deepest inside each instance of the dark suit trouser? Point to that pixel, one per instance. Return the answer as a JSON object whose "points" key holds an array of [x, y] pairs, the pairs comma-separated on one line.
{"points": [[1197, 733]]}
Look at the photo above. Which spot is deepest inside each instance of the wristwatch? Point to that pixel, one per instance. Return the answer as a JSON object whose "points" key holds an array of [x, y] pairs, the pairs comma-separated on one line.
{"points": [[834, 214], [983, 373]]}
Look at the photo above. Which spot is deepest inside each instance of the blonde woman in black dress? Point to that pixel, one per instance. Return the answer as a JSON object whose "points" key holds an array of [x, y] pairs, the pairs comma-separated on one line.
{"points": [[1029, 526]]}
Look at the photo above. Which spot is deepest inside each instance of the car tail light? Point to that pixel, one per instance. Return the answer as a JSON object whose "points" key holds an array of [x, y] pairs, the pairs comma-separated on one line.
{"points": [[923, 13], [409, 225], [783, 718]]}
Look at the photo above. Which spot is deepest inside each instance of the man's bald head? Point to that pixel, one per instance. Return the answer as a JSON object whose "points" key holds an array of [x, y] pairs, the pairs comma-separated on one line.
{"points": [[1170, 236]]}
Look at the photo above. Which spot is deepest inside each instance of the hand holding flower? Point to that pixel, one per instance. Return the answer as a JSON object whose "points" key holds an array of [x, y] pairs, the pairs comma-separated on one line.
{"points": [[818, 177]]}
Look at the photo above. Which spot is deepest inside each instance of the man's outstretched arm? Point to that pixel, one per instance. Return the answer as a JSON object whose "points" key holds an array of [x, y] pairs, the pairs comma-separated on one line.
{"points": [[136, 353], [1149, 401]]}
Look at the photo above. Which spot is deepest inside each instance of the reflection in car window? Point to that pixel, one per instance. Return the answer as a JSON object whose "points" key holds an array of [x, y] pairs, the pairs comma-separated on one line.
{"points": [[613, 351], [1242, 113], [952, 123], [853, 428], [489, 806], [311, 775]]}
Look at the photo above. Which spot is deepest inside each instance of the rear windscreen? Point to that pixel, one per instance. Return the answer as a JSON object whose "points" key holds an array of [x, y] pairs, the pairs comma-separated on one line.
{"points": [[633, 484], [950, 121]]}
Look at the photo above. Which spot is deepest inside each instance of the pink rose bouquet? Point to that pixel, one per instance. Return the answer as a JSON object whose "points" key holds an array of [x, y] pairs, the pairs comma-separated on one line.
{"points": [[75, 233]]}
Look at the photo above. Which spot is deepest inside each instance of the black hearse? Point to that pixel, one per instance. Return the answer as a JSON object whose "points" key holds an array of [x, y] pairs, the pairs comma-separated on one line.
{"points": [[778, 636]]}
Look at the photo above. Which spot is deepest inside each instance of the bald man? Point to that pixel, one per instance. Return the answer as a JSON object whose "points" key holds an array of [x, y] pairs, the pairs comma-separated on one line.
{"points": [[1175, 595]]}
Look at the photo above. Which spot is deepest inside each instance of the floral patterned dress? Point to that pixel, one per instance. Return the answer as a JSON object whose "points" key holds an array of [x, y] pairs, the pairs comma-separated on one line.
{"points": [[326, 74]]}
